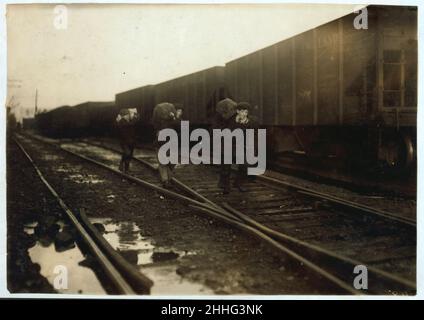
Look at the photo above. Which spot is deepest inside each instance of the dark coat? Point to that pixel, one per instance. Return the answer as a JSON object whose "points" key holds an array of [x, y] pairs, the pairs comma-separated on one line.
{"points": [[127, 134]]}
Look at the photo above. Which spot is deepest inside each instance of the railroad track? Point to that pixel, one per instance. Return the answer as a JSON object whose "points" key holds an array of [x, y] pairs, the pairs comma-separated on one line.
{"points": [[124, 278], [327, 170], [327, 235]]}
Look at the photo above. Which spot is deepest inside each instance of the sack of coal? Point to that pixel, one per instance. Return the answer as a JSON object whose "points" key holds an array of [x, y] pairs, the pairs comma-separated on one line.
{"points": [[164, 114], [127, 116], [226, 108]]}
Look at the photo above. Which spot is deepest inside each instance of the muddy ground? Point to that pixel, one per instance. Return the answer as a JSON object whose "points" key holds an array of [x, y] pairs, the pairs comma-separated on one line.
{"points": [[391, 201], [222, 260], [27, 201]]}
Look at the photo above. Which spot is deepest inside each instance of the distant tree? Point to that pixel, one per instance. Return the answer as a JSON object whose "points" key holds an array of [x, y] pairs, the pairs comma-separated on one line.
{"points": [[11, 107], [11, 119]]}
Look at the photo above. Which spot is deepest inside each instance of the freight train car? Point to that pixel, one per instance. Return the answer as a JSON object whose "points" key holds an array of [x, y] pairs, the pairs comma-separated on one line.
{"points": [[88, 118], [28, 123], [337, 90], [143, 99], [55, 122], [94, 118], [197, 93]]}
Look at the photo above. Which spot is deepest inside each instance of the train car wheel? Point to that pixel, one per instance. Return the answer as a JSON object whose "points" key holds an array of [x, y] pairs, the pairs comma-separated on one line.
{"points": [[397, 151]]}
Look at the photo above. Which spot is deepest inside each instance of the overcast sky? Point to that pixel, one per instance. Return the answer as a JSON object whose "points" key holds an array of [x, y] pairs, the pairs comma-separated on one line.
{"points": [[106, 49]]}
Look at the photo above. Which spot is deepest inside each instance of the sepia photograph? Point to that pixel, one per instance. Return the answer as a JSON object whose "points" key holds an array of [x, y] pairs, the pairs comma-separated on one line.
{"points": [[210, 150]]}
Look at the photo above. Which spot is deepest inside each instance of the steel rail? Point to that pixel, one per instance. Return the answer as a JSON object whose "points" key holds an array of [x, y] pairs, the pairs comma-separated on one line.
{"points": [[114, 275], [223, 216], [279, 246], [341, 202], [306, 191], [179, 184], [375, 274], [262, 232], [237, 216], [139, 282], [159, 189]]}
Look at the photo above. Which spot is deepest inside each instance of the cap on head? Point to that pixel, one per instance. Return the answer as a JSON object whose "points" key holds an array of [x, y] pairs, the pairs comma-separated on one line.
{"points": [[243, 106], [124, 112]]}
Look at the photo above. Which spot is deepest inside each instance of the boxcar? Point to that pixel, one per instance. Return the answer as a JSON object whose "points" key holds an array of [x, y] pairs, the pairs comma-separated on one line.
{"points": [[197, 92], [144, 100], [88, 118], [56, 122], [93, 118], [28, 123], [337, 89], [141, 98]]}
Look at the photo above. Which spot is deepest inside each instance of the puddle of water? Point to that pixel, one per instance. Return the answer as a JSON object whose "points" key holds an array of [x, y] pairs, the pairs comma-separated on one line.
{"points": [[168, 282], [126, 236], [80, 279], [155, 262]]}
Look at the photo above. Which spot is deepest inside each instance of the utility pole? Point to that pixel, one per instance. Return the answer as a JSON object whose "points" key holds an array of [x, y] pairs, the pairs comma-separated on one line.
{"points": [[36, 98]]}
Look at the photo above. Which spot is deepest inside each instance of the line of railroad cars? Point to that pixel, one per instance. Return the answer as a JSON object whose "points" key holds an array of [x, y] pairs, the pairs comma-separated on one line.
{"points": [[88, 118], [334, 90], [196, 93], [338, 90]]}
